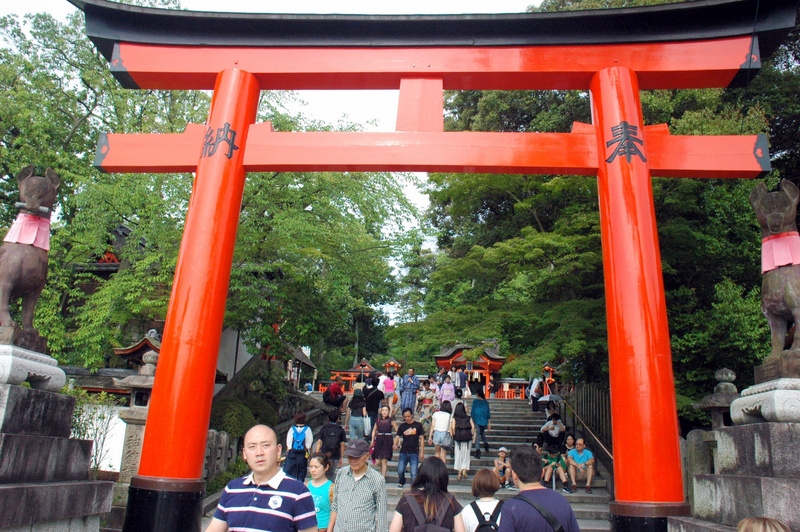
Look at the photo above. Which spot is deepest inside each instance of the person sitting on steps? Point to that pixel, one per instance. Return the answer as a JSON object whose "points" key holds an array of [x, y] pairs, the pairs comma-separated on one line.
{"points": [[581, 465], [553, 461]]}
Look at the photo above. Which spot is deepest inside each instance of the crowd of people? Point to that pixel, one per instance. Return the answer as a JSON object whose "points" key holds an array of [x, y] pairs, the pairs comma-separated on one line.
{"points": [[345, 494], [268, 498]]}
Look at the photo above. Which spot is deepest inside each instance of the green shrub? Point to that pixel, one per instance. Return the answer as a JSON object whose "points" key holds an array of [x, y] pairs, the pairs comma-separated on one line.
{"points": [[233, 417], [236, 469]]}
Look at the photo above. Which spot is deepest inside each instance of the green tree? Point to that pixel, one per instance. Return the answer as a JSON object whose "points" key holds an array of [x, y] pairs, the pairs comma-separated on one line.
{"points": [[520, 256], [313, 250]]}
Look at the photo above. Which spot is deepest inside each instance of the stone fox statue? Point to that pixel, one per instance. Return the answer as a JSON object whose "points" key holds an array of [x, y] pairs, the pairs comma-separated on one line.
{"points": [[23, 255], [780, 261]]}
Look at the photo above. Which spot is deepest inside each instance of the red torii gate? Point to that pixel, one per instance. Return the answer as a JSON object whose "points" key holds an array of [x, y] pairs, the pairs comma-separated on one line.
{"points": [[612, 53]]}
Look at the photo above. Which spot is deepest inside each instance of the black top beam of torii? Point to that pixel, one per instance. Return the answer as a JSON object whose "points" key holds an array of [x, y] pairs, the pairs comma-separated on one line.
{"points": [[108, 23]]}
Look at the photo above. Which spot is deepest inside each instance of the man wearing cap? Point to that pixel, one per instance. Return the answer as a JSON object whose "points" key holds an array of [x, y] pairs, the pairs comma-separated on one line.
{"points": [[359, 494], [266, 499]]}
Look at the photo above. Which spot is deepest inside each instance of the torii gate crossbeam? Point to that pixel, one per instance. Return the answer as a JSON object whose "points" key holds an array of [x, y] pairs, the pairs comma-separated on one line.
{"points": [[613, 54]]}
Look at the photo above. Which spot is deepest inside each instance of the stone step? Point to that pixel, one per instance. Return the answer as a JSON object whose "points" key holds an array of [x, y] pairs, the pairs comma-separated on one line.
{"points": [[38, 412], [690, 524], [513, 424], [29, 458], [586, 506], [31, 503], [594, 525], [392, 479], [599, 498]]}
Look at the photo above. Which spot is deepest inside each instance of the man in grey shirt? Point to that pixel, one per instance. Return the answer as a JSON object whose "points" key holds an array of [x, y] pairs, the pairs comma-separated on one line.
{"points": [[359, 494]]}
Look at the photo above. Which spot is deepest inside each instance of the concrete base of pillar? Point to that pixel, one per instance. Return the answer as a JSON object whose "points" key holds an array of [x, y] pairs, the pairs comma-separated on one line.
{"points": [[690, 524]]}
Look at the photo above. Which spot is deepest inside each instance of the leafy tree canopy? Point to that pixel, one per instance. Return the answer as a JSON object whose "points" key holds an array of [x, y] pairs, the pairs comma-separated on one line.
{"points": [[519, 257], [313, 250]]}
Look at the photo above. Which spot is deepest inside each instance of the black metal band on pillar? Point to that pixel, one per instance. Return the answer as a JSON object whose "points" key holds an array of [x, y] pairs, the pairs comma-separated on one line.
{"points": [[644, 517], [165, 505]]}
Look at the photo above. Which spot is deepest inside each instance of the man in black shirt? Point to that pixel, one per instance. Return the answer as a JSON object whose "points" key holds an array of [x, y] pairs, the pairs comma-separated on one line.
{"points": [[412, 449]]}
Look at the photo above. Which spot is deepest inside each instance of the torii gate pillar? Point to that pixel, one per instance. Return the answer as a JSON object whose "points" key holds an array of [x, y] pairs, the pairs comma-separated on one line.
{"points": [[168, 491], [640, 363]]}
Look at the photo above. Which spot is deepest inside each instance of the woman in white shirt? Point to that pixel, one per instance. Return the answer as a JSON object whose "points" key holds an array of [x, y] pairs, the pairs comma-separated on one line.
{"points": [[439, 433], [484, 486]]}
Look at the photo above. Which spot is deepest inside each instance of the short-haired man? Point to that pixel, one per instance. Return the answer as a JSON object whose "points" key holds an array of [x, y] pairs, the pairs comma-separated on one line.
{"points": [[521, 515], [462, 382], [359, 494], [581, 465], [410, 441], [265, 499]]}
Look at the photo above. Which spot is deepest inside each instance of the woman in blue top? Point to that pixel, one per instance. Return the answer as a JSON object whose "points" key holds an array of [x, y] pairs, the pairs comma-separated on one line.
{"points": [[321, 488]]}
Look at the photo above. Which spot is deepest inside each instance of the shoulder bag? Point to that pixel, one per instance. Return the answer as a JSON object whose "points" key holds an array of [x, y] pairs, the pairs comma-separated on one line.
{"points": [[549, 517]]}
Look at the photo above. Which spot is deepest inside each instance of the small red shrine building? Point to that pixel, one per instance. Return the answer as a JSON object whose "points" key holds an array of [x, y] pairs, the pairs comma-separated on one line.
{"points": [[350, 376], [480, 369]]}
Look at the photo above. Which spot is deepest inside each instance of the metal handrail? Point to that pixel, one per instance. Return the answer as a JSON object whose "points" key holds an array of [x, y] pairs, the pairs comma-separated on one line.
{"points": [[593, 401], [589, 430]]}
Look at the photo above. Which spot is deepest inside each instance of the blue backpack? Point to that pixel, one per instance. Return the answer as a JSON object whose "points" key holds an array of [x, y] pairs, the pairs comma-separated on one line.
{"points": [[299, 439]]}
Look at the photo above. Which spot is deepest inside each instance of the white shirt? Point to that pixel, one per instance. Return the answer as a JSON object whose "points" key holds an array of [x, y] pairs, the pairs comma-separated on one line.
{"points": [[290, 437], [441, 421], [487, 507]]}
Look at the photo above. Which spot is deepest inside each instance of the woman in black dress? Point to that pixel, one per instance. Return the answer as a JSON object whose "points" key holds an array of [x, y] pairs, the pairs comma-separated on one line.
{"points": [[382, 436]]}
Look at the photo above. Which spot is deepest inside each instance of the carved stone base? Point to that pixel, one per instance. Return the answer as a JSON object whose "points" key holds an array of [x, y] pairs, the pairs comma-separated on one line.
{"points": [[786, 366], [18, 365], [775, 401], [29, 340]]}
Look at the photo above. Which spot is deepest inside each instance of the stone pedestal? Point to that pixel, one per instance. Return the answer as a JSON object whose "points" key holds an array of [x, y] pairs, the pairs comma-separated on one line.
{"points": [[44, 475], [775, 401], [18, 365], [757, 469]]}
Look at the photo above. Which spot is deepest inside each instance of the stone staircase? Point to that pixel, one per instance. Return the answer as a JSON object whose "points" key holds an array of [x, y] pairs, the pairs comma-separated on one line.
{"points": [[513, 424]]}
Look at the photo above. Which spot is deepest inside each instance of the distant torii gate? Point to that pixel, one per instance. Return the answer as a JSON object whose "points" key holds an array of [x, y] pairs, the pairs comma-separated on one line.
{"points": [[612, 53]]}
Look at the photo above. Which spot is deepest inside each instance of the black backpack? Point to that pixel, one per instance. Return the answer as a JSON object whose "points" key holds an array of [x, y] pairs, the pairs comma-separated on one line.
{"points": [[463, 430], [331, 437], [326, 396], [483, 524], [422, 524]]}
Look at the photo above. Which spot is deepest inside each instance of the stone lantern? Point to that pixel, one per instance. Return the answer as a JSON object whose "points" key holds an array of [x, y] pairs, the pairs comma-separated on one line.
{"points": [[135, 416], [718, 404]]}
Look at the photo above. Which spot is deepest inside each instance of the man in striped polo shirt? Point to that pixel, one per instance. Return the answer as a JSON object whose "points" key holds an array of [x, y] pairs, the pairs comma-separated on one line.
{"points": [[266, 499]]}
